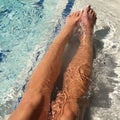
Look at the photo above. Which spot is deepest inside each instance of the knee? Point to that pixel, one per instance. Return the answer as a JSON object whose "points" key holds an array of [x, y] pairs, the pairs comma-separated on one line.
{"points": [[78, 73], [77, 78], [85, 76]]}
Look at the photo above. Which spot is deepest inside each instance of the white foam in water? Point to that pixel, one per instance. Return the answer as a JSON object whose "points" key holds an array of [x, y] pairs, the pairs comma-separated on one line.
{"points": [[26, 29]]}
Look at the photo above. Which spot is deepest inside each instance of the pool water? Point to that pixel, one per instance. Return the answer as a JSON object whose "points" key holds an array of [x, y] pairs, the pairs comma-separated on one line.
{"points": [[27, 28]]}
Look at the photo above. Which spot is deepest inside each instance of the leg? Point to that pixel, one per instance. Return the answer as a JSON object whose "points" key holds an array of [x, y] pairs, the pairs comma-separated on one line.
{"points": [[78, 74], [35, 102]]}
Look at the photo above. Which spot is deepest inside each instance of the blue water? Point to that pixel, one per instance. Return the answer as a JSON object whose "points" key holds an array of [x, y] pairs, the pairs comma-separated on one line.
{"points": [[27, 28]]}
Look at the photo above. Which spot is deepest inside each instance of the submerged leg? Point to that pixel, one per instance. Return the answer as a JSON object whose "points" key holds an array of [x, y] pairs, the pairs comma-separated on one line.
{"points": [[78, 74], [35, 102]]}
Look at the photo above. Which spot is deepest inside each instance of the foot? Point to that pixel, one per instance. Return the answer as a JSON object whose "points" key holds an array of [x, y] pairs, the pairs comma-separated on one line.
{"points": [[88, 20], [73, 19], [71, 22]]}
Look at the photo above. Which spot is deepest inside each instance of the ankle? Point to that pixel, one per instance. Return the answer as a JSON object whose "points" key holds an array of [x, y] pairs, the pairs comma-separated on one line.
{"points": [[86, 40]]}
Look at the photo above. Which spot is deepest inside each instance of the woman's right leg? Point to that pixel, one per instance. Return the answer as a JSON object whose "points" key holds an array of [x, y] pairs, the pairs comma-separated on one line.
{"points": [[78, 74]]}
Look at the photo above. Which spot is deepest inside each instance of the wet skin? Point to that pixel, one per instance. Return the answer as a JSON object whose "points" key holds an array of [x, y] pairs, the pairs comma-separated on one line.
{"points": [[35, 102]]}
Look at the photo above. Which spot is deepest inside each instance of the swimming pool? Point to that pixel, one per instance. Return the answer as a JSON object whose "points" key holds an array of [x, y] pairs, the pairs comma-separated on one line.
{"points": [[26, 30]]}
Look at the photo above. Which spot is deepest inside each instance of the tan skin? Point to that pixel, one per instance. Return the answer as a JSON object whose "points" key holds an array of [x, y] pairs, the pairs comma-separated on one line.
{"points": [[78, 74], [35, 102]]}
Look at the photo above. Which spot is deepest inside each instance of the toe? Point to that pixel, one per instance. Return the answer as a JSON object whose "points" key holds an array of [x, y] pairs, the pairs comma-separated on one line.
{"points": [[69, 15], [88, 8], [94, 15], [82, 11], [73, 14], [77, 13], [94, 19], [91, 12]]}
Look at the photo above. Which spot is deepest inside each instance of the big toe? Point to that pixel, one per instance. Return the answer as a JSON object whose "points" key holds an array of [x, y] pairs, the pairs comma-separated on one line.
{"points": [[77, 13], [86, 11], [87, 8]]}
